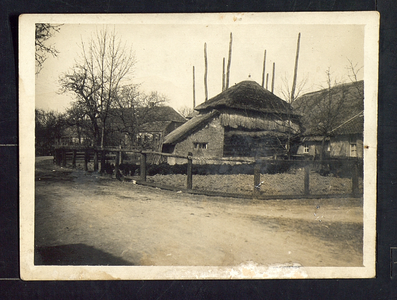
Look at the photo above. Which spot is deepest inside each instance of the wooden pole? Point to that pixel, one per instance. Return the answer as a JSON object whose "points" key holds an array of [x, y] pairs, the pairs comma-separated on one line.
{"points": [[223, 75], [74, 159], [63, 158], [355, 189], [295, 69], [95, 161], [267, 80], [274, 72], [143, 167], [116, 162], [189, 182], [229, 62], [103, 156], [264, 68], [306, 180], [205, 71], [194, 89], [121, 157], [58, 157], [257, 179], [86, 160]]}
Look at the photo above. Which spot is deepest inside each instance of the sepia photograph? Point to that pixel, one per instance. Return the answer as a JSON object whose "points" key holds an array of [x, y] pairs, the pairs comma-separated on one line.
{"points": [[198, 146]]}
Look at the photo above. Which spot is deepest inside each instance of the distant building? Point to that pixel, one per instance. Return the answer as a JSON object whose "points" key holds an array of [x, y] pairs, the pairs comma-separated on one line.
{"points": [[151, 126], [347, 138], [341, 107]]}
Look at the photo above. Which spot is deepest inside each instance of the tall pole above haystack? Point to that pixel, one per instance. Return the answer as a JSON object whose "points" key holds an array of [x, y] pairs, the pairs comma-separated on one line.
{"points": [[274, 72], [223, 75], [194, 89], [264, 68], [295, 69], [205, 71], [267, 80], [229, 61]]}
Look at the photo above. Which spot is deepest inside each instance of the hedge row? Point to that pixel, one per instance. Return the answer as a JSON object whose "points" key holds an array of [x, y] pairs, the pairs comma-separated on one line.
{"points": [[334, 168]]}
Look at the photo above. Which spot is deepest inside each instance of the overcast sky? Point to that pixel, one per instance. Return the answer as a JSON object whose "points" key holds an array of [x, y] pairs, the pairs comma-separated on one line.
{"points": [[166, 53]]}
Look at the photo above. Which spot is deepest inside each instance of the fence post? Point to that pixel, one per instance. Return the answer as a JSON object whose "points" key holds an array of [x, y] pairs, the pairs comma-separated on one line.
{"points": [[95, 160], [86, 160], [307, 177], [58, 157], [63, 158], [116, 163], [143, 167], [74, 158], [120, 156], [103, 156], [189, 172], [257, 179], [355, 189]]}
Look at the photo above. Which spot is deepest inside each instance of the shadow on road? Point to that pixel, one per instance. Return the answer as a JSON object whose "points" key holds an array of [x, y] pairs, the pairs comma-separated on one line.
{"points": [[75, 255]]}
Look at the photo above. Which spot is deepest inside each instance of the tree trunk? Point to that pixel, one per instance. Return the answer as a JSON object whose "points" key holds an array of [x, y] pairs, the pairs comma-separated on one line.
{"points": [[322, 149]]}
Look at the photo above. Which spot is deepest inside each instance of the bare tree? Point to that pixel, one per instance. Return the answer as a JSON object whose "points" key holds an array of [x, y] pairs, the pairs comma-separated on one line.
{"points": [[133, 109], [327, 108], [353, 74], [186, 111], [287, 92], [43, 33], [96, 78]]}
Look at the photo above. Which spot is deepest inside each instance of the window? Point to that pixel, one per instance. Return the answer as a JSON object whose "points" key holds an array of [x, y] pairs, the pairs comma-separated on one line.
{"points": [[353, 146], [305, 148], [200, 145], [353, 150]]}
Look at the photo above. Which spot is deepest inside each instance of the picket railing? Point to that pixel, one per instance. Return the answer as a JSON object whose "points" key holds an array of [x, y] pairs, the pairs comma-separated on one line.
{"points": [[73, 153]]}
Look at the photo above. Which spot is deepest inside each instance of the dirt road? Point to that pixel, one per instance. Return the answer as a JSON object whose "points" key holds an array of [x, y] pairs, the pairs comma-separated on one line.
{"points": [[83, 218]]}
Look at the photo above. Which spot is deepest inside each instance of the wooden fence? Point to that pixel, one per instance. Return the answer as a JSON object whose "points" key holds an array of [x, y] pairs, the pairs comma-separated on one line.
{"points": [[115, 155]]}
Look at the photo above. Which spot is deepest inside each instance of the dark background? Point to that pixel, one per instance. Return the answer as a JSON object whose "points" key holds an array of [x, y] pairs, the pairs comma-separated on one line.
{"points": [[382, 287]]}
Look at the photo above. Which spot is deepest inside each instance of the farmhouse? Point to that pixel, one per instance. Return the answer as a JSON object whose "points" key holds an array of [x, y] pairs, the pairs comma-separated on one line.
{"points": [[245, 120], [145, 127], [333, 121], [347, 138]]}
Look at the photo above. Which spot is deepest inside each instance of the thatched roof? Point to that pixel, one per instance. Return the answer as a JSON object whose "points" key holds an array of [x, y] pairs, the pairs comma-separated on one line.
{"points": [[317, 108], [149, 119], [247, 95], [234, 120], [160, 113], [156, 126], [264, 133], [352, 126], [187, 128]]}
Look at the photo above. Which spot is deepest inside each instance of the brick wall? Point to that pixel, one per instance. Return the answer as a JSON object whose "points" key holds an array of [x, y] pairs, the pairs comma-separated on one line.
{"points": [[211, 134]]}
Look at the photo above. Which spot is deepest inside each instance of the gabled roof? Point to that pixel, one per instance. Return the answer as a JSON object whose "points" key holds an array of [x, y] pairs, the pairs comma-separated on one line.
{"points": [[160, 113], [347, 102], [247, 95], [352, 126], [185, 129], [156, 126]]}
